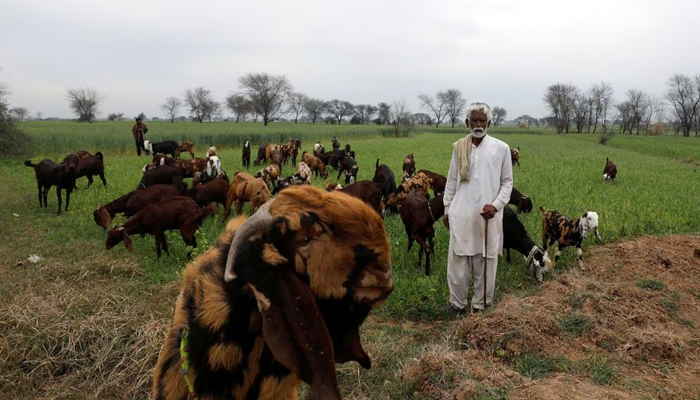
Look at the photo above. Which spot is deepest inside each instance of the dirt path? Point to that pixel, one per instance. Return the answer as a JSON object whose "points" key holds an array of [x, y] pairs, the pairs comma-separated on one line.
{"points": [[627, 327]]}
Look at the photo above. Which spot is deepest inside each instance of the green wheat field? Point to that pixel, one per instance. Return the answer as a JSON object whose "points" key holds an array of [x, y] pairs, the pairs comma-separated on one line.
{"points": [[85, 323]]}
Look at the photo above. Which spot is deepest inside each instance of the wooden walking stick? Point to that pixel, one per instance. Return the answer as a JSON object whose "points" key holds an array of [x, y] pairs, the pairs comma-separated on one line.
{"points": [[486, 249]]}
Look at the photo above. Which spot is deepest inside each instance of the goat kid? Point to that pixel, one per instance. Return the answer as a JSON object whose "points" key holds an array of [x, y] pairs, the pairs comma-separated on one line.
{"points": [[178, 212], [63, 176], [266, 307], [166, 147], [567, 231], [515, 156], [186, 146], [90, 165]]}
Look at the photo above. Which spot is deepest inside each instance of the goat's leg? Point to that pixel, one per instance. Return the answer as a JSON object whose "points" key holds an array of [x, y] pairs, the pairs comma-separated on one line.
{"points": [[39, 187], [239, 207], [60, 200], [104, 181], [89, 176], [579, 256], [557, 255], [44, 196], [423, 249], [68, 192], [508, 255]]}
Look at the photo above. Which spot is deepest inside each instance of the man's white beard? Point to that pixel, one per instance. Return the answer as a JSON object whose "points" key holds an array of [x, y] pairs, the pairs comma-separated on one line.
{"points": [[478, 133]]}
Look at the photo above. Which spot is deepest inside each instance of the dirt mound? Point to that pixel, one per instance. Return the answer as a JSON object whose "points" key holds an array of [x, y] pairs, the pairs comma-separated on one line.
{"points": [[625, 327]]}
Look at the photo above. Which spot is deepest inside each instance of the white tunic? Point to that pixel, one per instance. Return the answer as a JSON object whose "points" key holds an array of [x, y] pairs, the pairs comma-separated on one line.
{"points": [[490, 182]]}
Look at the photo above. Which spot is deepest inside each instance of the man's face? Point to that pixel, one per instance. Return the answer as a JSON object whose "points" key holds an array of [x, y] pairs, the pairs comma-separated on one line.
{"points": [[477, 123]]}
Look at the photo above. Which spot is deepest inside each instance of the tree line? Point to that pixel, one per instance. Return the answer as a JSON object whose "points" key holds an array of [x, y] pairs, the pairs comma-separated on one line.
{"points": [[585, 110]]}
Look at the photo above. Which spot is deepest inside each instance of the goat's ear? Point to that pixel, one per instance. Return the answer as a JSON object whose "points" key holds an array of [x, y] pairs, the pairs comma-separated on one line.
{"points": [[105, 218], [520, 206], [262, 255], [127, 241]]}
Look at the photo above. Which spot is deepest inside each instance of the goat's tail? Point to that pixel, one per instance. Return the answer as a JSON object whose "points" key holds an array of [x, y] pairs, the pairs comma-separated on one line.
{"points": [[28, 163], [99, 155], [376, 165], [542, 210]]}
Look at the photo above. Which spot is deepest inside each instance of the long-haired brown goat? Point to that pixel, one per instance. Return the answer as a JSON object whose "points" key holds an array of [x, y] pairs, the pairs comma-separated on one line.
{"points": [[279, 299]]}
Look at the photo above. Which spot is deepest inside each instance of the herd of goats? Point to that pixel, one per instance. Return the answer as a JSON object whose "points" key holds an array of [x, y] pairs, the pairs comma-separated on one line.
{"points": [[280, 297]]}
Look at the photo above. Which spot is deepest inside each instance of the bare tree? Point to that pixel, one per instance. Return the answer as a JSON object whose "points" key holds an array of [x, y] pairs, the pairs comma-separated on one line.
{"points": [[499, 115], [581, 108], [170, 107], [601, 96], [684, 96], [314, 109], [267, 92], [239, 105], [365, 112], [296, 102], [384, 113], [435, 105], [212, 109], [401, 119], [626, 116], [84, 102], [20, 113], [422, 119], [455, 103], [339, 109], [115, 116], [559, 98], [199, 101], [638, 104], [39, 115]]}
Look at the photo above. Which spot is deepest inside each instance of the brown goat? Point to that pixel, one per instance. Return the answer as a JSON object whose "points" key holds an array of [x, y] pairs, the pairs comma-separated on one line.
{"points": [[163, 174], [409, 166], [515, 156], [214, 190], [315, 163], [384, 176], [186, 146], [133, 202], [418, 214], [367, 191], [279, 299], [90, 165], [186, 168], [269, 174], [610, 170], [437, 181], [178, 212], [63, 176], [417, 181], [245, 187], [262, 154]]}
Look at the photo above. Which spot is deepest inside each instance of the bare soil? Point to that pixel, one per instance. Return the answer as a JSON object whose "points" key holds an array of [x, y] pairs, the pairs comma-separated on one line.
{"points": [[626, 327]]}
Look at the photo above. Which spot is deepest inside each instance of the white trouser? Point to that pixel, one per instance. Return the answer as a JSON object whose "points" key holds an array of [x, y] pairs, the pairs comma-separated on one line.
{"points": [[460, 269]]}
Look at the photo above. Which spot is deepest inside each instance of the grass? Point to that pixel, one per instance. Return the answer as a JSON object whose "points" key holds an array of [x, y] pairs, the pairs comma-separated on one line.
{"points": [[84, 322], [651, 284], [573, 325]]}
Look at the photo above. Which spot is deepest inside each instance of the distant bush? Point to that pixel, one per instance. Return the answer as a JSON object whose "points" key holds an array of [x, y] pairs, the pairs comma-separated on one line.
{"points": [[12, 140]]}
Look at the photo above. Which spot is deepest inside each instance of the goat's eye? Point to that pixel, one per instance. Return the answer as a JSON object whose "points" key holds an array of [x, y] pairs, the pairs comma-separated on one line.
{"points": [[305, 240]]}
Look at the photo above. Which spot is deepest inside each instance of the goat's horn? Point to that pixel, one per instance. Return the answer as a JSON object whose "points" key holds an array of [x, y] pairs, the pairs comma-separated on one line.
{"points": [[257, 221]]}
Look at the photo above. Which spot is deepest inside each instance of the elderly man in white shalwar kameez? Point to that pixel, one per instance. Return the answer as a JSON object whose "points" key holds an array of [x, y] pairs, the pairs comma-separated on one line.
{"points": [[479, 183]]}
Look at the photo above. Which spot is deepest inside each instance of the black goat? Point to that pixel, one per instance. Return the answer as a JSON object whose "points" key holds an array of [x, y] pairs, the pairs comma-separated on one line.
{"points": [[90, 165], [349, 166], [166, 147], [62, 175], [520, 201], [384, 176], [246, 154], [164, 174], [515, 237]]}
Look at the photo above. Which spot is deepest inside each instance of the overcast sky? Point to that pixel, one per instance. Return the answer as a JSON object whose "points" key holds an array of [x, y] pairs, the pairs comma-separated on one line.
{"points": [[502, 52]]}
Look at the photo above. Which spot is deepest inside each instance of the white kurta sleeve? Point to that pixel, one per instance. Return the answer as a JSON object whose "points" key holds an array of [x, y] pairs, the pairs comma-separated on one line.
{"points": [[506, 181]]}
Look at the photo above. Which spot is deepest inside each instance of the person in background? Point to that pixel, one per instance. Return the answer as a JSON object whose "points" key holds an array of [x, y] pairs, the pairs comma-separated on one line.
{"points": [[479, 183], [139, 130]]}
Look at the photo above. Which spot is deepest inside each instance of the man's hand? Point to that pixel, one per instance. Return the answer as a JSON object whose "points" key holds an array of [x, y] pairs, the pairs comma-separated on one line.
{"points": [[446, 221], [488, 212]]}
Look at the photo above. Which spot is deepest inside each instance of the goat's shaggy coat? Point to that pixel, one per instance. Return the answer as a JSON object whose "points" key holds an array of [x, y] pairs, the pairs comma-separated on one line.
{"points": [[278, 300]]}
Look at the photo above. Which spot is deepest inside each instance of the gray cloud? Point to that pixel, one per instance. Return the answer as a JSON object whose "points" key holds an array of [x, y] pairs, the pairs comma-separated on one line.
{"points": [[506, 53]]}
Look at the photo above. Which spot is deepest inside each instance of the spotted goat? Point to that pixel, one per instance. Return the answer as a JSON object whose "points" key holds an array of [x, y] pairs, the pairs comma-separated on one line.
{"points": [[567, 232]]}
